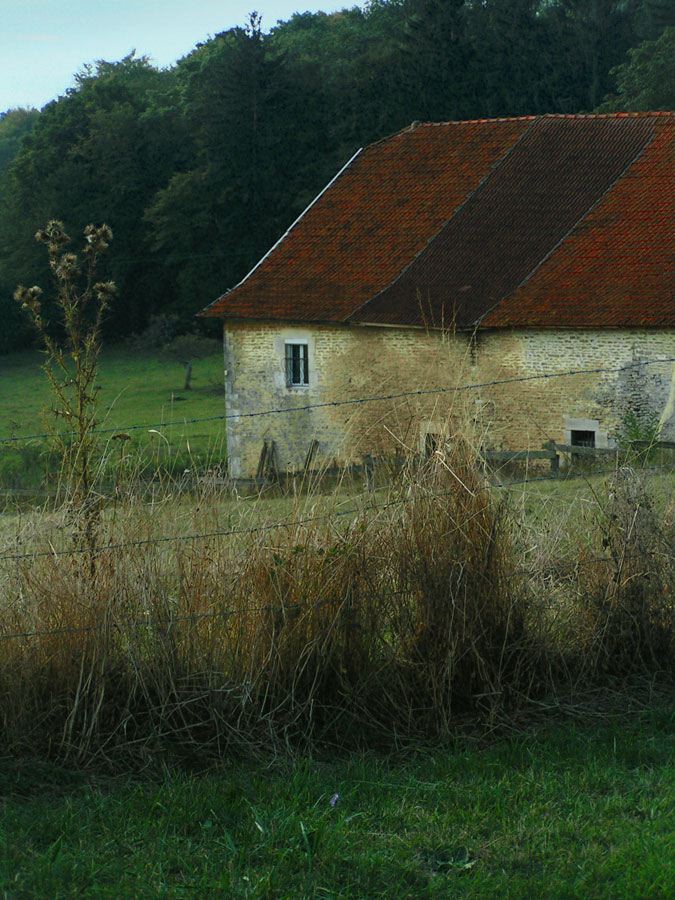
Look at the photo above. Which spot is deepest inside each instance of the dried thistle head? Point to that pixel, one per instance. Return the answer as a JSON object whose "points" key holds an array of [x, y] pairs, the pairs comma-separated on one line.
{"points": [[53, 235], [98, 238], [66, 267], [104, 291], [29, 298]]}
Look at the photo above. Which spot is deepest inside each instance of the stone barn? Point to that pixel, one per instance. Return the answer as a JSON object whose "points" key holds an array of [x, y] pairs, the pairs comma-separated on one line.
{"points": [[517, 273]]}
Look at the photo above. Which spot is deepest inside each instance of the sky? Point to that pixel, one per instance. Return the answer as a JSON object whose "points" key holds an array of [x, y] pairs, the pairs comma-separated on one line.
{"points": [[44, 42]]}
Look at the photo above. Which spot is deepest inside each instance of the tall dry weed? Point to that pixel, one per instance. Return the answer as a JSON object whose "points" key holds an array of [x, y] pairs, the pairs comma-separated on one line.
{"points": [[363, 619], [626, 582]]}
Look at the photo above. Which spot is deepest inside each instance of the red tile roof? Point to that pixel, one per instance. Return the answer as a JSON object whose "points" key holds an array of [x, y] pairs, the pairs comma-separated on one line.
{"points": [[617, 267], [548, 221]]}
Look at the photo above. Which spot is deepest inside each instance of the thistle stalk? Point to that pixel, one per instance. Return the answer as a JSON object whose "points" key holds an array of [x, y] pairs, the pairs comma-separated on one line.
{"points": [[71, 365]]}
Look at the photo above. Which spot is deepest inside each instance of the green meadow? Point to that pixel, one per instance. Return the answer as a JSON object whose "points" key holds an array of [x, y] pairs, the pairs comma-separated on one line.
{"points": [[570, 811], [136, 389], [575, 805]]}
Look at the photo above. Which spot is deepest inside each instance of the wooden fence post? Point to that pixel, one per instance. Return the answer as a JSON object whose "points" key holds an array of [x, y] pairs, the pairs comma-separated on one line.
{"points": [[555, 459], [369, 471]]}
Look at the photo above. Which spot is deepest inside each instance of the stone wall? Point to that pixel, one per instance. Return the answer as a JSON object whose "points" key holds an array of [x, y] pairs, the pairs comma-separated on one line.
{"points": [[602, 401], [349, 363]]}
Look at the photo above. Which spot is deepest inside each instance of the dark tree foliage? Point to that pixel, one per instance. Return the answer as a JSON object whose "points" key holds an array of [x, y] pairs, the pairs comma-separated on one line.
{"points": [[240, 101], [98, 153], [647, 80], [15, 125], [199, 168], [438, 60]]}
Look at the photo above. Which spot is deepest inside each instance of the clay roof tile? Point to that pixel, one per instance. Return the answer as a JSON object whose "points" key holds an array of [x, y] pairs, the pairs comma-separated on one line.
{"points": [[532, 221]]}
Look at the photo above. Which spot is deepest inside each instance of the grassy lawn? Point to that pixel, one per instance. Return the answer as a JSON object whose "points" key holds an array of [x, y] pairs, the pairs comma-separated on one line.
{"points": [[567, 812], [558, 509], [133, 390], [563, 503]]}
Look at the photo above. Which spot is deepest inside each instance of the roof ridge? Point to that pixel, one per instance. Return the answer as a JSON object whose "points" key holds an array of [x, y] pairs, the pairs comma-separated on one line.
{"points": [[487, 120]]}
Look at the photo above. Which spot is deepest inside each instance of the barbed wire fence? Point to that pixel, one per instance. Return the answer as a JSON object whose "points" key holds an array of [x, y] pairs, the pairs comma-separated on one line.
{"points": [[260, 529], [351, 401], [283, 606], [296, 523]]}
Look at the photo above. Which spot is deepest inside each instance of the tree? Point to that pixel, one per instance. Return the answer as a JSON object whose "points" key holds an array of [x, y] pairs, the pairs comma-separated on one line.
{"points": [[100, 151], [512, 57], [245, 111], [647, 80], [15, 125], [652, 16], [202, 166], [436, 60], [593, 36], [186, 348]]}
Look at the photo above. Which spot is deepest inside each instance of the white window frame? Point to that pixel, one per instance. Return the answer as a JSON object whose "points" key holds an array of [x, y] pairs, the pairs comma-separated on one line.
{"points": [[303, 384]]}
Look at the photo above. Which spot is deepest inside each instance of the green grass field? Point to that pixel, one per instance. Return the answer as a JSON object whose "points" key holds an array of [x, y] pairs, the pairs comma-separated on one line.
{"points": [[567, 812], [135, 389]]}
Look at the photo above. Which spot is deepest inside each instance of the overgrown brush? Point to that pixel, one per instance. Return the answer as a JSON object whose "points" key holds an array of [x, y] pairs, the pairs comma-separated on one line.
{"points": [[366, 620], [625, 585]]}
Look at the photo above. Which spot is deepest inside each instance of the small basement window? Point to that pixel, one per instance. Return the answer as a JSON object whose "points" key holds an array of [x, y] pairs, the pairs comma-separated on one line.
{"points": [[297, 364], [582, 438]]}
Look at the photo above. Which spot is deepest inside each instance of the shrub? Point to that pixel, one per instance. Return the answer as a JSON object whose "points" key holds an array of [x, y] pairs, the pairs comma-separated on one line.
{"points": [[24, 466], [625, 588], [11, 468], [159, 331]]}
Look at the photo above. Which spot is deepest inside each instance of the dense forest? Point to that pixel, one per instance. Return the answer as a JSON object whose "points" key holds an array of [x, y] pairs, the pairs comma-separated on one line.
{"points": [[198, 168]]}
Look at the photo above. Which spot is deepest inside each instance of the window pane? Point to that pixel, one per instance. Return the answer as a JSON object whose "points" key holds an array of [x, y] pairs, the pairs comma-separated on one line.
{"points": [[297, 371], [296, 364], [289, 364], [583, 438]]}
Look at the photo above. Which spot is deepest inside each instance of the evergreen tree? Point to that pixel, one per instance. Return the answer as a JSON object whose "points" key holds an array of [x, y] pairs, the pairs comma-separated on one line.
{"points": [[241, 104], [594, 36], [437, 60], [513, 57], [652, 17]]}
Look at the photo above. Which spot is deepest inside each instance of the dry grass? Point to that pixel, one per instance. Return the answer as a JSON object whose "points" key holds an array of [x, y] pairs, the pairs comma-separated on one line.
{"points": [[382, 618], [627, 596]]}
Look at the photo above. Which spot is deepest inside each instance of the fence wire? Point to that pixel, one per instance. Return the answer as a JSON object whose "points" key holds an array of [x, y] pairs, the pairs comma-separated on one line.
{"points": [[218, 533], [354, 401], [276, 608]]}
